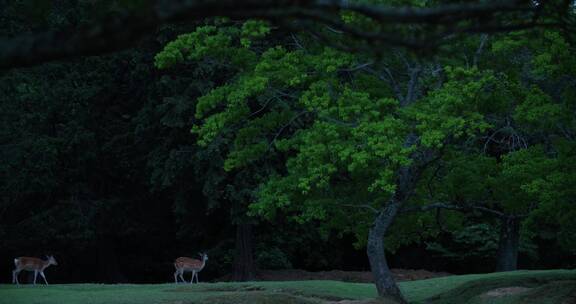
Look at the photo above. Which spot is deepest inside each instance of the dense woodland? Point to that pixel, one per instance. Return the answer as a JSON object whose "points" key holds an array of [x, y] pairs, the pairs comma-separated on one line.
{"points": [[288, 142]]}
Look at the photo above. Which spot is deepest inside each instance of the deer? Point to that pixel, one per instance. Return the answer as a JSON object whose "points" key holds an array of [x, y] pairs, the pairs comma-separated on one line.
{"points": [[32, 264], [183, 264]]}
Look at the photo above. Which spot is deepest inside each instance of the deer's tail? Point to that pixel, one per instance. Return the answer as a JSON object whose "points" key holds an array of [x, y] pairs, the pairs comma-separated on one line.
{"points": [[16, 262]]}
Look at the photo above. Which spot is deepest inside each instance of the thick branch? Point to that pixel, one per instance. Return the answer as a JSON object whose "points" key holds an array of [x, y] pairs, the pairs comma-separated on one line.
{"points": [[447, 206], [123, 31]]}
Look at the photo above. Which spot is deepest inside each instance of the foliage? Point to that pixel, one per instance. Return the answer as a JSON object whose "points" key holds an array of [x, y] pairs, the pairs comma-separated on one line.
{"points": [[272, 258], [341, 138], [554, 189], [476, 241]]}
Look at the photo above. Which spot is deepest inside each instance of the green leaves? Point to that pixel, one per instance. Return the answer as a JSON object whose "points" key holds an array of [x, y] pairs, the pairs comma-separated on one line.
{"points": [[334, 133], [205, 42], [316, 96], [253, 30], [553, 188], [455, 109], [538, 110], [191, 46]]}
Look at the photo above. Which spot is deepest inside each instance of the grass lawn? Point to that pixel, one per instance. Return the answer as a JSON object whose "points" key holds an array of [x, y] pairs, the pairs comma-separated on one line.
{"points": [[551, 286]]}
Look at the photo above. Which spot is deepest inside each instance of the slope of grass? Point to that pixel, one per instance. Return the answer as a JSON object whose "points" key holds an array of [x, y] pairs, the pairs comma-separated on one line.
{"points": [[546, 287], [543, 287]]}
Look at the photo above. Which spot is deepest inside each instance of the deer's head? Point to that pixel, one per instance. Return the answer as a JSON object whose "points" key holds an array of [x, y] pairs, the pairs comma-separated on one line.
{"points": [[52, 260], [203, 256]]}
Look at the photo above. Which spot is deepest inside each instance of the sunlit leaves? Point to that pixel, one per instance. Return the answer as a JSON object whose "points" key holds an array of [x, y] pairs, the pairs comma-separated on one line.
{"points": [[252, 30], [538, 110], [455, 109], [339, 132], [206, 42]]}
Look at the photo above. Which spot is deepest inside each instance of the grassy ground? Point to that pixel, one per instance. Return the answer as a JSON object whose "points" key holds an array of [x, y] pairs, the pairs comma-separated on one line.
{"points": [[555, 286], [541, 287]]}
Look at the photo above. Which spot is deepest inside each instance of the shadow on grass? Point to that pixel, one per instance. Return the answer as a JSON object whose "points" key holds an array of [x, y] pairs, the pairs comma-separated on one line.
{"points": [[228, 288], [260, 297]]}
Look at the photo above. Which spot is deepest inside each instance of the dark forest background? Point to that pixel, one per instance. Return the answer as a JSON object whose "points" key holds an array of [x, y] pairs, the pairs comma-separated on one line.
{"points": [[98, 167]]}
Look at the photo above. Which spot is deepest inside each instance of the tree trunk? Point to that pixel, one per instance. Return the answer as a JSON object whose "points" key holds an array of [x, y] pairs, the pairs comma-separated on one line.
{"points": [[108, 261], [383, 278], [507, 259], [244, 266], [405, 184]]}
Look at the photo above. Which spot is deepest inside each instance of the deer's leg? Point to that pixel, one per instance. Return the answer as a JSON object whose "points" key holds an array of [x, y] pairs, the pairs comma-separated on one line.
{"points": [[15, 274], [176, 276], [44, 277], [192, 279], [35, 276], [197, 278], [182, 276]]}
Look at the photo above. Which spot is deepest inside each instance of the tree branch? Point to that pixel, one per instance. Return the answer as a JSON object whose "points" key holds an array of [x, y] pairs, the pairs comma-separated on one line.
{"points": [[122, 31], [478, 53], [447, 206], [363, 206], [284, 127]]}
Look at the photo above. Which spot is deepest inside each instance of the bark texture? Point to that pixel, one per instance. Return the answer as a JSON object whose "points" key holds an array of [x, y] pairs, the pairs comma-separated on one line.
{"points": [[108, 260], [508, 246], [244, 266], [383, 278]]}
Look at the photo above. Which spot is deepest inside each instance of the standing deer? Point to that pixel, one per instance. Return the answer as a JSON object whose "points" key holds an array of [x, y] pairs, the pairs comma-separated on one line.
{"points": [[183, 264], [32, 264]]}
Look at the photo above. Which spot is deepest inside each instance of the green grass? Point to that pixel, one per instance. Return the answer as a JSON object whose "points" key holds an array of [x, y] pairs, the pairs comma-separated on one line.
{"points": [[558, 286], [552, 286]]}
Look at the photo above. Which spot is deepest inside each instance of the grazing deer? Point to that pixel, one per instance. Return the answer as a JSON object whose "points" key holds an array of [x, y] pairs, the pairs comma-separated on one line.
{"points": [[184, 264], [32, 264]]}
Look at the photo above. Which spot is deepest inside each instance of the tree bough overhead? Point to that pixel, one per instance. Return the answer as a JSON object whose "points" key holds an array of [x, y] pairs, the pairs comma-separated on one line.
{"points": [[412, 24]]}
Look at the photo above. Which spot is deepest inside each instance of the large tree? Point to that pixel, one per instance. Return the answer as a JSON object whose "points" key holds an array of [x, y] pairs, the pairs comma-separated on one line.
{"points": [[347, 143], [352, 131]]}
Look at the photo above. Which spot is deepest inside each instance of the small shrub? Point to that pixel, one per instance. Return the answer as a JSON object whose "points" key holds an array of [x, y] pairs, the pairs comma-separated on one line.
{"points": [[273, 258]]}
